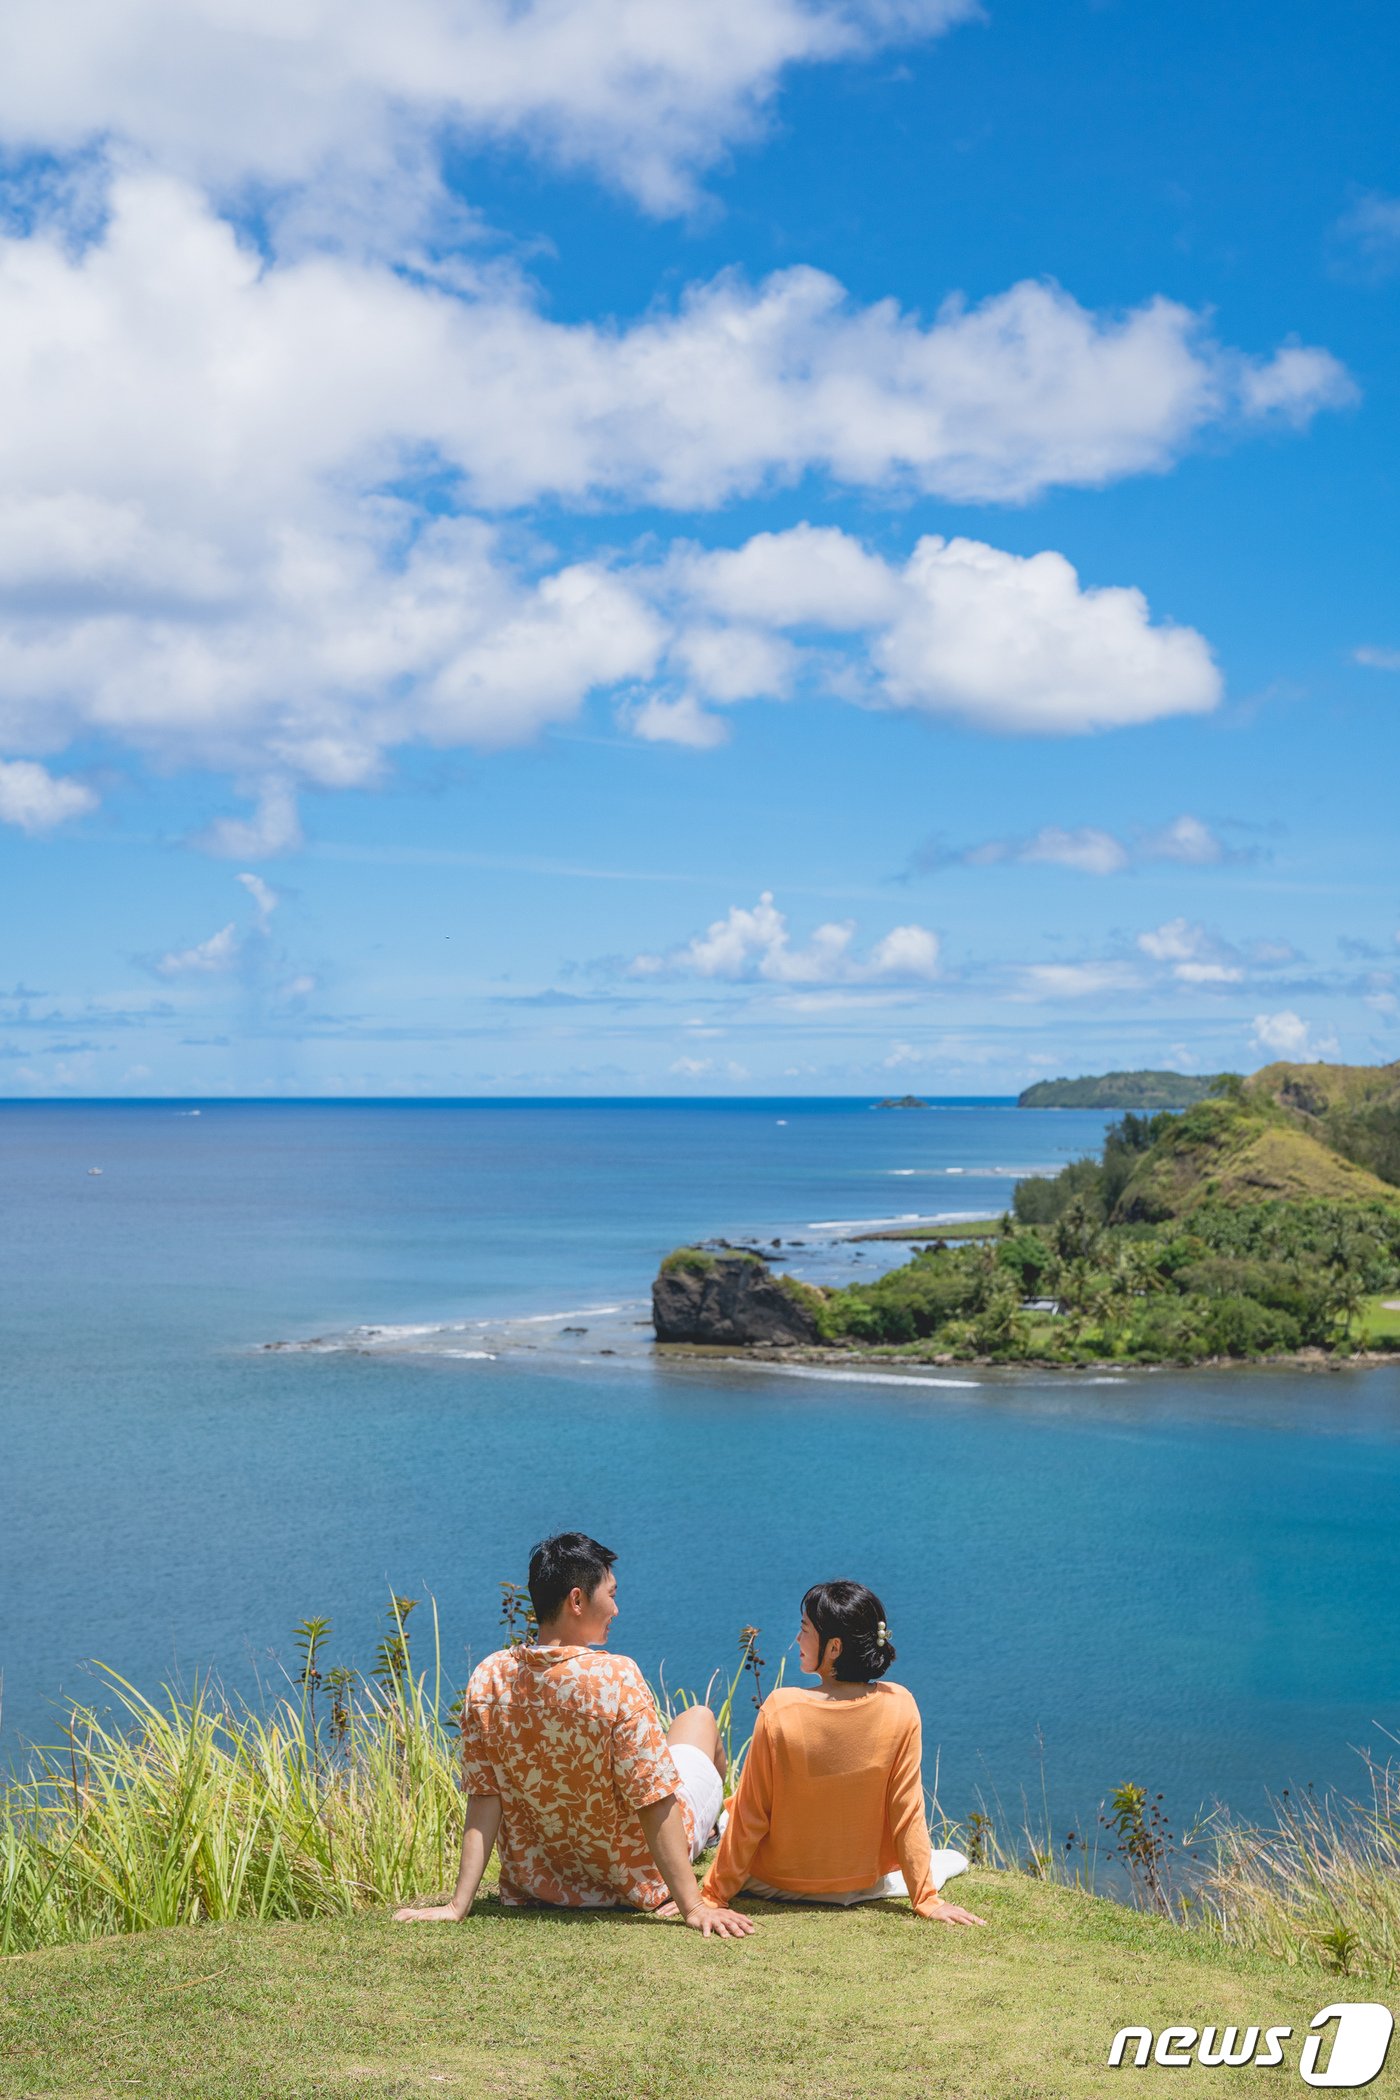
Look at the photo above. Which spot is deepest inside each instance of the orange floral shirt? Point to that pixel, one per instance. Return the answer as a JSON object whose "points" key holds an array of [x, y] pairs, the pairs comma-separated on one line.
{"points": [[571, 1743]]}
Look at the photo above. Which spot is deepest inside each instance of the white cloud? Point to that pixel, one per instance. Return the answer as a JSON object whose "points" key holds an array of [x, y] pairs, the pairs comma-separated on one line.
{"points": [[1082, 980], [32, 798], [646, 95], [1194, 955], [907, 952], [1186, 840], [1174, 942], [808, 576], [680, 721], [1372, 228], [229, 376], [848, 1000], [1016, 644], [1377, 659], [200, 558], [1208, 973], [1287, 1035], [1293, 385], [726, 664], [211, 958], [225, 950], [273, 827], [1086, 849], [264, 899], [1089, 851], [707, 1067], [755, 946]]}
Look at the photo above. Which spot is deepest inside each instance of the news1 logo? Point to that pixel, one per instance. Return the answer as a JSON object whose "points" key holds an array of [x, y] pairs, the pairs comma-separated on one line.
{"points": [[1360, 2042]]}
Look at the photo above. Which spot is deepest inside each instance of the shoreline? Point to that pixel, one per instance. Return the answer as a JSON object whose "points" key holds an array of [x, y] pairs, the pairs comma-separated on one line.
{"points": [[896, 1354]]}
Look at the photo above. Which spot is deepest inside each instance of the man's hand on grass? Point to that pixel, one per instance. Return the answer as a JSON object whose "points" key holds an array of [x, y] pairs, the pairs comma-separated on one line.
{"points": [[430, 1914], [711, 1920], [951, 1914]]}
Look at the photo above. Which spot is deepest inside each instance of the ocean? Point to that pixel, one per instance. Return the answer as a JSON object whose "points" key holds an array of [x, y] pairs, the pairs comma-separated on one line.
{"points": [[1185, 1579]]}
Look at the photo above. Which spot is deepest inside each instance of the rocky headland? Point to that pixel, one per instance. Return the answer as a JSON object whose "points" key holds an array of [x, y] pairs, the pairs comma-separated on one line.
{"points": [[730, 1299]]}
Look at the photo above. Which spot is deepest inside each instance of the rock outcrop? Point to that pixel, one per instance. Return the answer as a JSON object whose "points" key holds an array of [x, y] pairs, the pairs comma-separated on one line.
{"points": [[728, 1298]]}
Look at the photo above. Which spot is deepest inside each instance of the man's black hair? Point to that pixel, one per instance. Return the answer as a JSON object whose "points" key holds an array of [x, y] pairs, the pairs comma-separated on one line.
{"points": [[570, 1560]]}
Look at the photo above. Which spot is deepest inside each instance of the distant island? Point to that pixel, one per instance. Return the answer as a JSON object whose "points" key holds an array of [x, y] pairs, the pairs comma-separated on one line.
{"points": [[904, 1101], [1262, 1222], [1139, 1090]]}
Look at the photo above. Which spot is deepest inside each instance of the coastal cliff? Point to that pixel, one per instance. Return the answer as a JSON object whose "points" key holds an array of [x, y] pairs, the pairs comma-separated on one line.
{"points": [[700, 1297]]}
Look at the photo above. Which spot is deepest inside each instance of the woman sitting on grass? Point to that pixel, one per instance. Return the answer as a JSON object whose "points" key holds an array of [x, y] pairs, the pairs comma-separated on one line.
{"points": [[830, 1804]]}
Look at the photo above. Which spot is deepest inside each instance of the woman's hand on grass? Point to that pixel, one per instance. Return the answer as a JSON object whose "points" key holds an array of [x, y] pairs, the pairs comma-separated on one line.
{"points": [[951, 1914], [429, 1914]]}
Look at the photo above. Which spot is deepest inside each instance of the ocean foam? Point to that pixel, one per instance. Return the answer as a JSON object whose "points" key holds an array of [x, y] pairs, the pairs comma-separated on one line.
{"points": [[584, 1312], [406, 1334], [905, 1217], [860, 1377]]}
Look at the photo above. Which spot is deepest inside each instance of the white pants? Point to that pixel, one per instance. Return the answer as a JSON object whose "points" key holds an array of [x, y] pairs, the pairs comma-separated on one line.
{"points": [[944, 1866], [702, 1789]]}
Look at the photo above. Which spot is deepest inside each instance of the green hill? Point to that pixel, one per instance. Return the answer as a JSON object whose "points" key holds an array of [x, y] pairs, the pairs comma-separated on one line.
{"points": [[1139, 1090], [1355, 1109], [1244, 1150]]}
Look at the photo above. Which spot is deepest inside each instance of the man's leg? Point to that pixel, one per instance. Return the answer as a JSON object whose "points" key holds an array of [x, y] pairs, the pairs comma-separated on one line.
{"points": [[694, 1742], [698, 1726]]}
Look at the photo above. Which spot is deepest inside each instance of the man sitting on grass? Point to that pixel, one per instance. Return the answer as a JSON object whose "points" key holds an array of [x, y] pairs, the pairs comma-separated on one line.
{"points": [[569, 1771]]}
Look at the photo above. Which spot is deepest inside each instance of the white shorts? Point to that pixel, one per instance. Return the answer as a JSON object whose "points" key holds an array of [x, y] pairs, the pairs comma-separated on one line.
{"points": [[944, 1866], [701, 1789]]}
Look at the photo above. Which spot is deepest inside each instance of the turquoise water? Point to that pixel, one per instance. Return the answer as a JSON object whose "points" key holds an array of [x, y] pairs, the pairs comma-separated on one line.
{"points": [[1190, 1580]]}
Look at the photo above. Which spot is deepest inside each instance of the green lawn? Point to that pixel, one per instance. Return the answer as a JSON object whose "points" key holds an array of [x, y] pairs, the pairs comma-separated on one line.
{"points": [[866, 2005], [1378, 1322]]}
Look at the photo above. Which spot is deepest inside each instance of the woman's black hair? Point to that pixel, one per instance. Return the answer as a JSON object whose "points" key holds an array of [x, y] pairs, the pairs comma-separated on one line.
{"points": [[855, 1614]]}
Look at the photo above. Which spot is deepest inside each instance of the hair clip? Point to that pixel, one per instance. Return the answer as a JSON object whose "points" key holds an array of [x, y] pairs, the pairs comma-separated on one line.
{"points": [[880, 1635]]}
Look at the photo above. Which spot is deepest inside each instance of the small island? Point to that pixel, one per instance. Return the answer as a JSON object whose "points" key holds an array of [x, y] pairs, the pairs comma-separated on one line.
{"points": [[1139, 1090], [904, 1101], [1261, 1223]]}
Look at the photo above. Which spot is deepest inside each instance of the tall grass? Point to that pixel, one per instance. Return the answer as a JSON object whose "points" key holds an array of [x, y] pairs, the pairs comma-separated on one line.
{"points": [[1321, 1887], [201, 1808]]}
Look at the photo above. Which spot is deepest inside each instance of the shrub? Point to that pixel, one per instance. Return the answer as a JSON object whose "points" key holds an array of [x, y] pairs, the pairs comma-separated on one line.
{"points": [[1242, 1327]]}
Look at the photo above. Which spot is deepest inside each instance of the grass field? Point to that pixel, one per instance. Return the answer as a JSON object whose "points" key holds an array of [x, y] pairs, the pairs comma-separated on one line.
{"points": [[820, 2005], [1379, 1321]]}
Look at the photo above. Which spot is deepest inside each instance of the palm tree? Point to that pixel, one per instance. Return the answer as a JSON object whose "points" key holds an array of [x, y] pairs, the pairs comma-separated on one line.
{"points": [[1346, 1298]]}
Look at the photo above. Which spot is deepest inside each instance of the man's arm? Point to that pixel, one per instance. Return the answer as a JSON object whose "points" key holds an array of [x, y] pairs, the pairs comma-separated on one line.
{"points": [[663, 1826], [478, 1842]]}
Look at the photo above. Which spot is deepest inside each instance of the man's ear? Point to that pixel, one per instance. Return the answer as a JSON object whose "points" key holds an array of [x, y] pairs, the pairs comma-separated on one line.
{"points": [[577, 1600]]}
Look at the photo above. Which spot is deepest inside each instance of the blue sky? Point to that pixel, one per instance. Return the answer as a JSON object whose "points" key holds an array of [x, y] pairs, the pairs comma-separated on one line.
{"points": [[781, 546]]}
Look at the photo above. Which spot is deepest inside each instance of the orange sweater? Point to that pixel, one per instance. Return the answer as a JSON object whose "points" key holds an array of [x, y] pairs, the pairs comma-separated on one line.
{"points": [[831, 1797]]}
